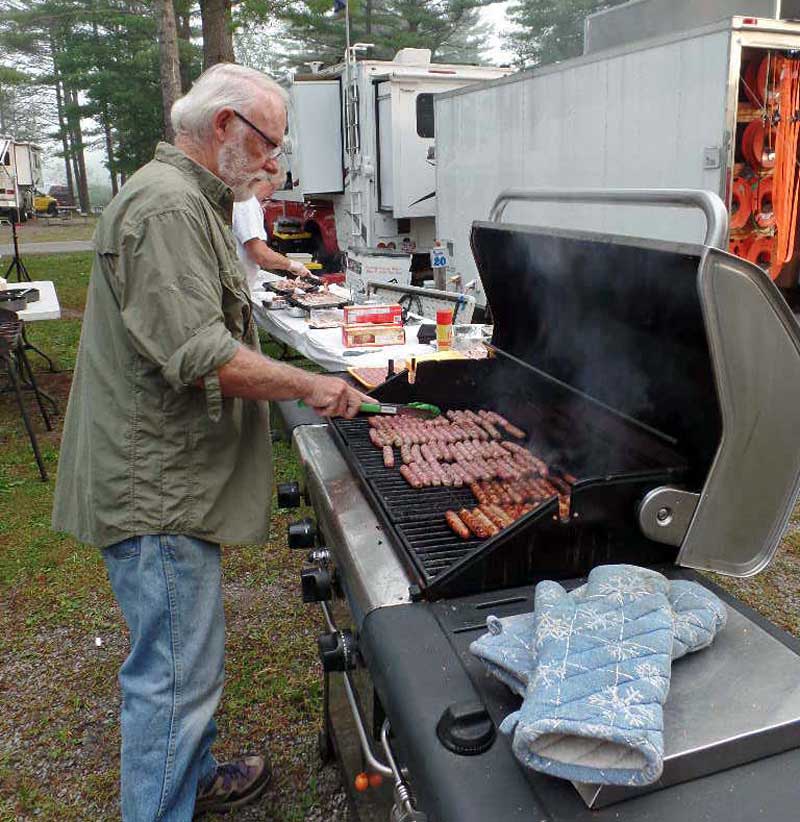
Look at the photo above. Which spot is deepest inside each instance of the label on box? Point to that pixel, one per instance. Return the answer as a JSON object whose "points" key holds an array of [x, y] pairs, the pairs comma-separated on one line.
{"points": [[370, 336], [373, 314]]}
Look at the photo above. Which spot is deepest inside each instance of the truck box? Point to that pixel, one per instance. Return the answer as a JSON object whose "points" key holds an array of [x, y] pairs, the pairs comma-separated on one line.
{"points": [[665, 113]]}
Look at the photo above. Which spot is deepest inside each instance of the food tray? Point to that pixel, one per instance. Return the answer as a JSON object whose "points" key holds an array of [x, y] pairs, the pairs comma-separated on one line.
{"points": [[331, 301], [371, 377]]}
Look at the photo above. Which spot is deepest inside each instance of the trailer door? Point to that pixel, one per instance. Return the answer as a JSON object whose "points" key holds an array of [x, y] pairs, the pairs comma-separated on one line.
{"points": [[317, 161], [385, 148], [22, 155]]}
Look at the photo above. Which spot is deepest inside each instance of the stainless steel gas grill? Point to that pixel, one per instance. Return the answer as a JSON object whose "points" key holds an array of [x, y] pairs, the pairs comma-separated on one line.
{"points": [[658, 376]]}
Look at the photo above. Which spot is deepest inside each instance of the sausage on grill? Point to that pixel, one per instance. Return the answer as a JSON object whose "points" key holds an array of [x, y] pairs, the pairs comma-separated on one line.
{"points": [[473, 523], [456, 524], [388, 456], [487, 524], [410, 476]]}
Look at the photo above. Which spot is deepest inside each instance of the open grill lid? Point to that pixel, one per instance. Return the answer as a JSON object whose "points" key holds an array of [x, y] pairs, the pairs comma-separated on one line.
{"points": [[686, 340]]}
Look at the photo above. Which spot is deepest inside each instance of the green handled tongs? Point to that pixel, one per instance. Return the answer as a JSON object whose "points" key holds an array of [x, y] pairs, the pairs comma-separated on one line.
{"points": [[421, 410]]}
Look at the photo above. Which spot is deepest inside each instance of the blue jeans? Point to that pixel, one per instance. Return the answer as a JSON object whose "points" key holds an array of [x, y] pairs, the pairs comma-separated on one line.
{"points": [[169, 590]]}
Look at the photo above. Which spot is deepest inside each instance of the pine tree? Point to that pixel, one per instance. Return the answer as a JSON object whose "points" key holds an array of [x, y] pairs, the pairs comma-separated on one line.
{"points": [[311, 31], [550, 30]]}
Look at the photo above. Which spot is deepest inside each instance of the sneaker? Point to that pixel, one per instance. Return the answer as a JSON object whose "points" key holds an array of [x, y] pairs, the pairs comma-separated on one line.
{"points": [[234, 784]]}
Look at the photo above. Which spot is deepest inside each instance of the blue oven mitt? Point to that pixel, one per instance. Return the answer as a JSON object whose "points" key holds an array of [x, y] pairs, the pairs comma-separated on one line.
{"points": [[593, 709], [508, 651]]}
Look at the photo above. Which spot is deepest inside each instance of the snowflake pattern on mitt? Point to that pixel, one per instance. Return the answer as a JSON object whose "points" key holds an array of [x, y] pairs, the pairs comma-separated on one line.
{"points": [[593, 709], [508, 648]]}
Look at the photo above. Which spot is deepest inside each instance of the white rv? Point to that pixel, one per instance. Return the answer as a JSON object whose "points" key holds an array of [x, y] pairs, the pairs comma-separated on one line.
{"points": [[360, 153], [20, 177]]}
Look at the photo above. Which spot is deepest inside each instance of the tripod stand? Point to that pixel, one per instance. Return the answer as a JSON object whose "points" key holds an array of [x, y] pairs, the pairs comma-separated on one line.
{"points": [[16, 263]]}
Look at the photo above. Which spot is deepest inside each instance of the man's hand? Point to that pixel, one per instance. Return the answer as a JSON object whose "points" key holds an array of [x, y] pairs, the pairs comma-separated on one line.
{"points": [[296, 267], [332, 397]]}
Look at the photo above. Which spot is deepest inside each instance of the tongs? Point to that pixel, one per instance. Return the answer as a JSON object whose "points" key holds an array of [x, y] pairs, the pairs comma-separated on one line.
{"points": [[420, 410]]}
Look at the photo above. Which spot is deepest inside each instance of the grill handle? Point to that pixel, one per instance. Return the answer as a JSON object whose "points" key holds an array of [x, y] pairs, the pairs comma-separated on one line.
{"points": [[709, 203]]}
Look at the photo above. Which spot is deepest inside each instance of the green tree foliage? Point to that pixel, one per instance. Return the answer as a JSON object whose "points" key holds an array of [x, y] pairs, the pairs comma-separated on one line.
{"points": [[100, 61], [311, 31], [550, 30]]}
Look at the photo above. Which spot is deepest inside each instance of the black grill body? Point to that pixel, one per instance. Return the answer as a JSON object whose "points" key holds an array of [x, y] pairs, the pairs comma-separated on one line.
{"points": [[600, 355]]}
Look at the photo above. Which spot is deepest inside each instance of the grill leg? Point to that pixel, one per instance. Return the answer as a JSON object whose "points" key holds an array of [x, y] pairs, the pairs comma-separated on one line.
{"points": [[12, 375], [325, 737]]}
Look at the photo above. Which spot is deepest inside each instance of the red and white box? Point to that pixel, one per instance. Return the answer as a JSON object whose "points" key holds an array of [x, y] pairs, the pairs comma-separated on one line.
{"points": [[373, 314], [365, 335]]}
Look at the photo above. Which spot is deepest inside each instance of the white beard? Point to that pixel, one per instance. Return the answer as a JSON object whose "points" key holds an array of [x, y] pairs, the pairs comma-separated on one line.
{"points": [[232, 164]]}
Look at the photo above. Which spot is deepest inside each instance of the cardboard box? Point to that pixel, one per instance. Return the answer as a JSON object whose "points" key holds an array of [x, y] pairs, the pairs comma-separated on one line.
{"points": [[373, 314], [372, 336]]}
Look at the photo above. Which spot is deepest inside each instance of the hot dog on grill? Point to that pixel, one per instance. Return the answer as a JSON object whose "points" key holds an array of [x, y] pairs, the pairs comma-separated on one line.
{"points": [[456, 524]]}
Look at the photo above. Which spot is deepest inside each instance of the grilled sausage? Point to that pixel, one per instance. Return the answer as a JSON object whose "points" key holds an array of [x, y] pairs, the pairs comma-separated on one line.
{"points": [[500, 519], [518, 433], [456, 525], [488, 525], [410, 476], [388, 456], [473, 523]]}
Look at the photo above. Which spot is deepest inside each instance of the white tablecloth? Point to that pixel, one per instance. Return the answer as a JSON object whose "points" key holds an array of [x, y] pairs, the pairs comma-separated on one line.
{"points": [[46, 307], [324, 345]]}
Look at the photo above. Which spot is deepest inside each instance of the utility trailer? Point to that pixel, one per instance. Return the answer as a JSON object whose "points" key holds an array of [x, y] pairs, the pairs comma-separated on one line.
{"points": [[360, 140], [690, 107]]}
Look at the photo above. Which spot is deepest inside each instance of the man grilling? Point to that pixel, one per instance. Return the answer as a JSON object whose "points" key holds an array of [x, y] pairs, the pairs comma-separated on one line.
{"points": [[166, 450], [251, 237]]}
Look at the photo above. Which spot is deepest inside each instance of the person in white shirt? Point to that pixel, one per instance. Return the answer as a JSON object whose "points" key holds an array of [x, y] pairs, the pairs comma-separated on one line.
{"points": [[251, 236]]}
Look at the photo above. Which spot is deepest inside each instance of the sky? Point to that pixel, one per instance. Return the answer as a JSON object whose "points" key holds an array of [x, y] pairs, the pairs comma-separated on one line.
{"points": [[496, 15]]}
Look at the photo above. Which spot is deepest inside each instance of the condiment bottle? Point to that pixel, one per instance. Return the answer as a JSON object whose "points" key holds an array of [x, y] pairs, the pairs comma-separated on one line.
{"points": [[444, 329]]}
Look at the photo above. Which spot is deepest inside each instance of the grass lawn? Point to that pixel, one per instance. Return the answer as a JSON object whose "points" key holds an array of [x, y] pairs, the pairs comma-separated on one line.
{"points": [[59, 737], [47, 230]]}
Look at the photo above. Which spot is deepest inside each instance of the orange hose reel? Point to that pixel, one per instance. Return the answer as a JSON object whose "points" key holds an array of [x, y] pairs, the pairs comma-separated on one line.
{"points": [[758, 146], [740, 245], [756, 75], [761, 252], [763, 209], [741, 203]]}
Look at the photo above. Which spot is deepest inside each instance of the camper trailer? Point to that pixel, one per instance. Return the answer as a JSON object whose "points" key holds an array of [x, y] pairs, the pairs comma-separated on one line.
{"points": [[669, 94], [20, 177], [361, 162]]}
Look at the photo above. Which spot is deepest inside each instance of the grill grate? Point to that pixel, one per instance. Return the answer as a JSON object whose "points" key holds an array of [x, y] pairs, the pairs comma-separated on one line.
{"points": [[417, 514]]}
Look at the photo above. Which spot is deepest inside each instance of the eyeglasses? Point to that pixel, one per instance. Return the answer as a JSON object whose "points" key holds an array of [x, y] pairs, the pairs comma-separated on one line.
{"points": [[274, 150]]}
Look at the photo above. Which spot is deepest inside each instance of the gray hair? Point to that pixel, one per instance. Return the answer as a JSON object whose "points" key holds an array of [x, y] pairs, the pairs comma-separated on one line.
{"points": [[223, 85]]}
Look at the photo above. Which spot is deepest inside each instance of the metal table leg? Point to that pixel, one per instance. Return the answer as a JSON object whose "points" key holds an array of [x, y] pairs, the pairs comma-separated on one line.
{"points": [[12, 376]]}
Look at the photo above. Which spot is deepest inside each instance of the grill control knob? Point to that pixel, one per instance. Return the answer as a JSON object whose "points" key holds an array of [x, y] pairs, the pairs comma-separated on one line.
{"points": [[289, 495], [337, 651], [320, 556], [302, 534], [316, 584], [466, 729]]}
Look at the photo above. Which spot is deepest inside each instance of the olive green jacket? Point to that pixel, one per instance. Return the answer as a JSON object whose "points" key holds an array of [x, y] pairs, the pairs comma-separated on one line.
{"points": [[144, 450]]}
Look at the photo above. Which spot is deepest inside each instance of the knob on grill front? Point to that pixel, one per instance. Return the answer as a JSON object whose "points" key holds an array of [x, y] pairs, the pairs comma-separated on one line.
{"points": [[289, 495], [465, 728], [337, 651], [302, 534], [316, 584]]}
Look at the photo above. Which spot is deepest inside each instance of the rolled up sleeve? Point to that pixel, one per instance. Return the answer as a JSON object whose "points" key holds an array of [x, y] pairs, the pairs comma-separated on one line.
{"points": [[170, 296]]}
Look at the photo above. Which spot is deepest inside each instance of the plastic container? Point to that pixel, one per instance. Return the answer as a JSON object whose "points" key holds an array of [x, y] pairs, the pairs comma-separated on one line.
{"points": [[444, 329]]}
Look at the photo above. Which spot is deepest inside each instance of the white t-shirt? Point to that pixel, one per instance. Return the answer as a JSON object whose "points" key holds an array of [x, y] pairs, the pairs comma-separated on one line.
{"points": [[248, 224]]}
